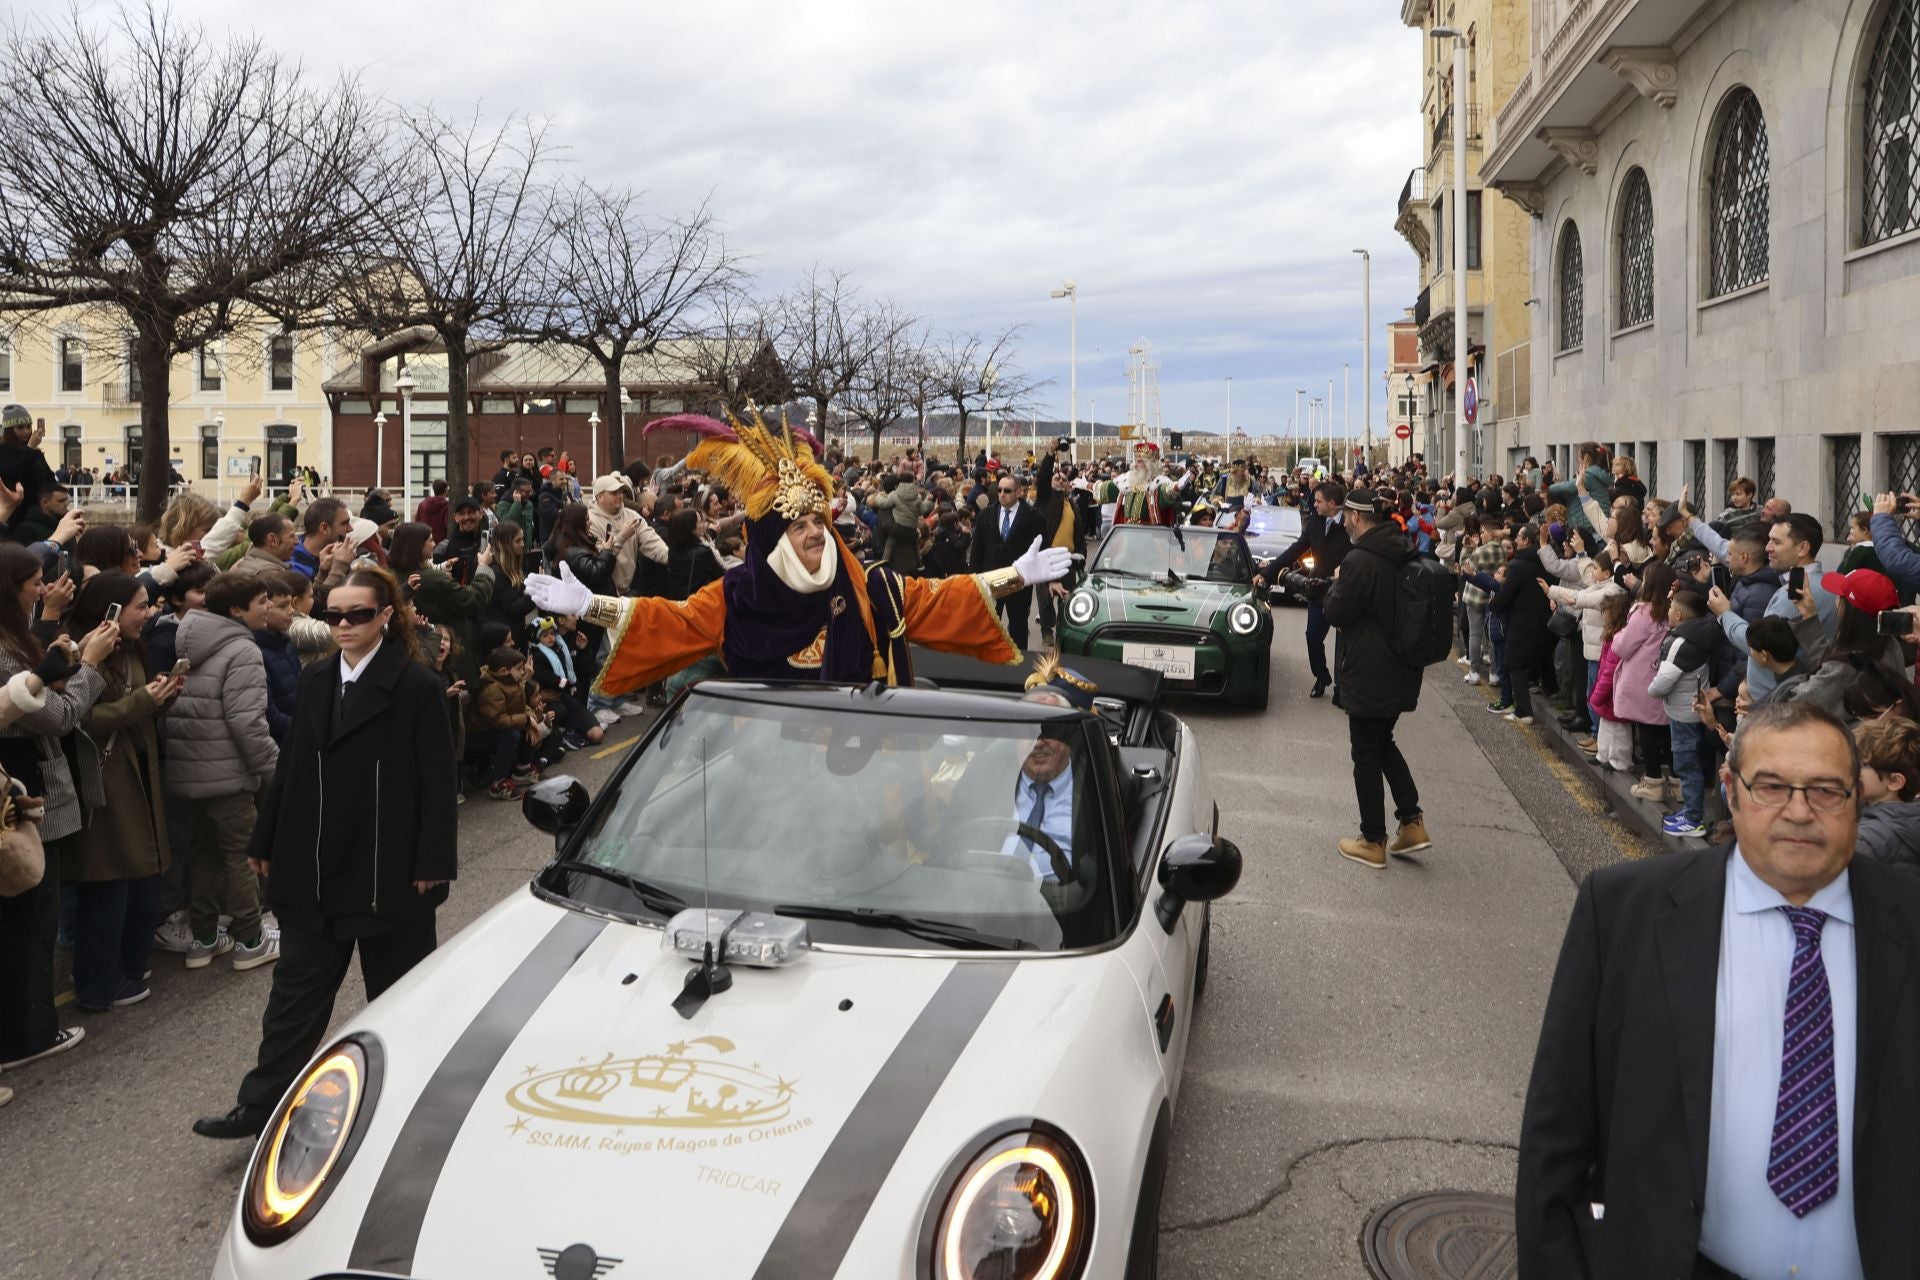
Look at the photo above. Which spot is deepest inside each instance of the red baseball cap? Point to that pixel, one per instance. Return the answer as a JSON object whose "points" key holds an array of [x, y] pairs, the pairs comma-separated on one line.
{"points": [[1864, 589]]}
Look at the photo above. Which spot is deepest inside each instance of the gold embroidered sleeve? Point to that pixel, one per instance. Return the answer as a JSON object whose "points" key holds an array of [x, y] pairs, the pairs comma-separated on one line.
{"points": [[1001, 583], [605, 611]]}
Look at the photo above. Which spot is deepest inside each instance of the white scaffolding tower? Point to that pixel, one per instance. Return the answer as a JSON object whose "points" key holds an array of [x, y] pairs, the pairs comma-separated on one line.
{"points": [[1143, 391]]}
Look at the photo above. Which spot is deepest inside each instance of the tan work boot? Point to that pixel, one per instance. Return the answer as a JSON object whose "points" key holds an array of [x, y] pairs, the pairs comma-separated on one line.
{"points": [[1412, 837], [1365, 852]]}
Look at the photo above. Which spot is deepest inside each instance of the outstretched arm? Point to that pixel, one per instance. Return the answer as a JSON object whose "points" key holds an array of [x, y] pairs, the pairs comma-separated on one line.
{"points": [[650, 638]]}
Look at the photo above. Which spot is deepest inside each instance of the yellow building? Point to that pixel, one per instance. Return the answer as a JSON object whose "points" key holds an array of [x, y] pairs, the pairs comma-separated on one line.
{"points": [[1498, 267], [255, 395]]}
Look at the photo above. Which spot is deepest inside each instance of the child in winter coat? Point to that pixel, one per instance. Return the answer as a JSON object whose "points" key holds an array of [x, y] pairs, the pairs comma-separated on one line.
{"points": [[1614, 741], [1678, 680], [278, 652], [500, 728]]}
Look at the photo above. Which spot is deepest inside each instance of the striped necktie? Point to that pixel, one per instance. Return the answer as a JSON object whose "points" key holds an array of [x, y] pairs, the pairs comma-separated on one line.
{"points": [[1803, 1163]]}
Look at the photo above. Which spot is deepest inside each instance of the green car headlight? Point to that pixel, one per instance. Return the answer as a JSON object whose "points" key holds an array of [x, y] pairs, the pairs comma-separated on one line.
{"points": [[1243, 619], [1081, 607]]}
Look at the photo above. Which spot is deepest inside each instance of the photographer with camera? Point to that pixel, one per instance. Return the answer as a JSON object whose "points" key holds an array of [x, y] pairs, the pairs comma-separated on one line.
{"points": [[1322, 545], [1379, 685]]}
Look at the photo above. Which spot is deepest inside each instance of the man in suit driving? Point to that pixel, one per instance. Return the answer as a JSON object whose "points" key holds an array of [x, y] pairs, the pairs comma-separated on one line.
{"points": [[1001, 534], [1729, 1065]]}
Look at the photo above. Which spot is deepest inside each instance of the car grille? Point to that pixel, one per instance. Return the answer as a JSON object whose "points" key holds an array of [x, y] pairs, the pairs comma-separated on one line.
{"points": [[1141, 633]]}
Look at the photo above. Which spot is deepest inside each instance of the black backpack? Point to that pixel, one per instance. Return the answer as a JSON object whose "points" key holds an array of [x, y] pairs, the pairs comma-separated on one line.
{"points": [[1422, 631]]}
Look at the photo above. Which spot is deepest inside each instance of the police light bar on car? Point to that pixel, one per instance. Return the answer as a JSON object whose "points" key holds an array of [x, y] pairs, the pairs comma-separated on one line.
{"points": [[753, 938]]}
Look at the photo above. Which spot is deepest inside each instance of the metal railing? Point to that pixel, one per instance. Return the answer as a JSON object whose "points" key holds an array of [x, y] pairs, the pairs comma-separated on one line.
{"points": [[1443, 125], [1423, 306], [1415, 188]]}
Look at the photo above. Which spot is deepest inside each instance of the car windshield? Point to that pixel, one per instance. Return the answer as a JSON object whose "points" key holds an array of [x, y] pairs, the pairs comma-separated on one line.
{"points": [[965, 833], [1146, 551], [1265, 519]]}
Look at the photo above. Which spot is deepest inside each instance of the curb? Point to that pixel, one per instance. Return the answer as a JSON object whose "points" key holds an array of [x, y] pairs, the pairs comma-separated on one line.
{"points": [[1612, 788]]}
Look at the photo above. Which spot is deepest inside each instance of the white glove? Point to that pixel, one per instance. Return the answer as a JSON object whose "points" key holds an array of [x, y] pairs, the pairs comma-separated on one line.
{"points": [[1041, 565], [564, 594]]}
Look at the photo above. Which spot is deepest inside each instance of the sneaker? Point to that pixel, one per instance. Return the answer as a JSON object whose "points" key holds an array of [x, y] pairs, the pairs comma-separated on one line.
{"points": [[526, 773], [629, 707], [1672, 820], [505, 789], [1411, 838], [1587, 744], [270, 924], [1365, 852], [1472, 677], [1464, 663], [62, 1041], [460, 797], [201, 954], [607, 717], [174, 934], [1686, 830], [1514, 719], [1499, 708], [264, 951], [129, 993]]}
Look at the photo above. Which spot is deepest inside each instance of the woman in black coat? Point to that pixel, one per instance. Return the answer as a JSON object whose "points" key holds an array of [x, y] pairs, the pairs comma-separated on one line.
{"points": [[356, 833], [691, 563], [1522, 602]]}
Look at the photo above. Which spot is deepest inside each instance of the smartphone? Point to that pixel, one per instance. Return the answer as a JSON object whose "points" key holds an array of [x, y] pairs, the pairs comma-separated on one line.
{"points": [[1619, 571], [112, 614], [180, 668], [1722, 579], [256, 465], [1796, 582], [1894, 622]]}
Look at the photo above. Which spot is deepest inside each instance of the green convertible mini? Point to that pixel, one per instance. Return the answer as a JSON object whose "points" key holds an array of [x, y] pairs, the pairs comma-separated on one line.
{"points": [[1180, 601]]}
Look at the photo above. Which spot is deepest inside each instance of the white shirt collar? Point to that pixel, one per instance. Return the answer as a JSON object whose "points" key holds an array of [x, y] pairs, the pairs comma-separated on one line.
{"points": [[1752, 895], [349, 672]]}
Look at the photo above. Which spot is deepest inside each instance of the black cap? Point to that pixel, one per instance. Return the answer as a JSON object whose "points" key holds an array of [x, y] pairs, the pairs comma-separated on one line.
{"points": [[1362, 500], [466, 503]]}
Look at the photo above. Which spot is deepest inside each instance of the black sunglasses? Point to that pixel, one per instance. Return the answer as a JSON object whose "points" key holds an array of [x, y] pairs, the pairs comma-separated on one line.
{"points": [[352, 617]]}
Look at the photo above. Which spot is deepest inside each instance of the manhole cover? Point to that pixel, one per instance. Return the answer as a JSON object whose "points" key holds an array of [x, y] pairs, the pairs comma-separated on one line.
{"points": [[1443, 1235]]}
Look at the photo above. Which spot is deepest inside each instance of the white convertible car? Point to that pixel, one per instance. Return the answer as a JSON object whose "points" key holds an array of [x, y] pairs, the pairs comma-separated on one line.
{"points": [[811, 989]]}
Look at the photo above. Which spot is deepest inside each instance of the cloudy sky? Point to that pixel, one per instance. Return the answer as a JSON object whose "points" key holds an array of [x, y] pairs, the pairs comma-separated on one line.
{"points": [[1202, 171]]}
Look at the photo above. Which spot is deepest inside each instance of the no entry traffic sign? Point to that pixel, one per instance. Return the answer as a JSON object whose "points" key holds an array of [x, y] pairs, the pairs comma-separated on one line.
{"points": [[1403, 432]]}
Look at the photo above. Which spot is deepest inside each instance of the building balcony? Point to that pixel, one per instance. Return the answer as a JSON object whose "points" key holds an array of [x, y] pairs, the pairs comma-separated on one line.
{"points": [[1415, 188], [1423, 306], [1585, 53], [1443, 127]]}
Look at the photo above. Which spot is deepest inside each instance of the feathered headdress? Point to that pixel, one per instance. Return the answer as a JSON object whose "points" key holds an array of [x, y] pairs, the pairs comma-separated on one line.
{"points": [[1076, 688], [773, 471]]}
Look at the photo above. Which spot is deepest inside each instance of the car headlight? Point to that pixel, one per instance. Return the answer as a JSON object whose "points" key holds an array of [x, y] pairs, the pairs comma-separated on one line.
{"points": [[312, 1135], [1080, 607], [1243, 619], [1019, 1208]]}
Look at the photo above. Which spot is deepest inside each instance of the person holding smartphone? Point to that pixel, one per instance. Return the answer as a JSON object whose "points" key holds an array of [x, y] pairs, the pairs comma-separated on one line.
{"points": [[1793, 542]]}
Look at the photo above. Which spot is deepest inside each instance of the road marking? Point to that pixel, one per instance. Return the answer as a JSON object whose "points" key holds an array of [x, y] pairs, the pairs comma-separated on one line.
{"points": [[621, 745], [1582, 792]]}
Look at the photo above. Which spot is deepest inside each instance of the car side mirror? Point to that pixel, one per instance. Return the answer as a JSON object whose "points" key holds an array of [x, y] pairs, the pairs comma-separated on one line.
{"points": [[1195, 868], [556, 805]]}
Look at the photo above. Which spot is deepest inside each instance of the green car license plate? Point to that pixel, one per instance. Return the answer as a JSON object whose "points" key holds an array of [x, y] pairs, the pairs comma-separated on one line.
{"points": [[1171, 660]]}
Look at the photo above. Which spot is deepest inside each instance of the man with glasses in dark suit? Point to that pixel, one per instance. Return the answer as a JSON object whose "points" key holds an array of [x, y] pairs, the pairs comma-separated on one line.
{"points": [[1729, 1066], [1002, 534]]}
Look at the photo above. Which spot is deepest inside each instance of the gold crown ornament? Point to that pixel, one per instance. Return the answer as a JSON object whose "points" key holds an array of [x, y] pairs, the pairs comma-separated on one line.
{"points": [[772, 470]]}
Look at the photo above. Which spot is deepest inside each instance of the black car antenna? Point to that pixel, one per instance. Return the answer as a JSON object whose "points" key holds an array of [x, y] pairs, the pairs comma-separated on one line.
{"points": [[712, 977]]}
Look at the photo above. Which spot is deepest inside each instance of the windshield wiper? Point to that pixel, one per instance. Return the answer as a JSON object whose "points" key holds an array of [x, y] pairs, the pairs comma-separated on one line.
{"points": [[1104, 571], [652, 896], [913, 926]]}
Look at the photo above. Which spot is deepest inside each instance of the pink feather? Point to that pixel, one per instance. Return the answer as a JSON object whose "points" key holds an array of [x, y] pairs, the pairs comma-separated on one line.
{"points": [[705, 427], [807, 438]]}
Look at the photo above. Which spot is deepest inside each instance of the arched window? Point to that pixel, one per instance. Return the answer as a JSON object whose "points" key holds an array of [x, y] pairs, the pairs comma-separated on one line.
{"points": [[1890, 187], [1573, 294], [1633, 250], [1737, 197]]}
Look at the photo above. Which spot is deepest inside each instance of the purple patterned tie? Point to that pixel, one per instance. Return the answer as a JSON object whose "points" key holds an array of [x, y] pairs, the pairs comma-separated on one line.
{"points": [[1803, 1164]]}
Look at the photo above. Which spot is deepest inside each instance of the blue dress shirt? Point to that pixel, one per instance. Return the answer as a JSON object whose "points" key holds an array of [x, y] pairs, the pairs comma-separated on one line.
{"points": [[1745, 1228], [1057, 822]]}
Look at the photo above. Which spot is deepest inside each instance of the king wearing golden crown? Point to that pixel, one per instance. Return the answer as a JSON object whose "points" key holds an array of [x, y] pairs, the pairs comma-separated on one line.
{"points": [[800, 605]]}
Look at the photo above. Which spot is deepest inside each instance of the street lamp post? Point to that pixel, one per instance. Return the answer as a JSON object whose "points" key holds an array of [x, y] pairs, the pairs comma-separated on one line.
{"points": [[380, 449], [1328, 410], [1411, 403], [1366, 358], [1346, 408], [593, 446], [1229, 411], [405, 384], [1461, 348], [987, 378], [1071, 292], [626, 402]]}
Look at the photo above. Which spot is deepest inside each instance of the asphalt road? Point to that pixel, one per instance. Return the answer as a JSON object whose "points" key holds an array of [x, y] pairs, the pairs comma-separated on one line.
{"points": [[1365, 1035]]}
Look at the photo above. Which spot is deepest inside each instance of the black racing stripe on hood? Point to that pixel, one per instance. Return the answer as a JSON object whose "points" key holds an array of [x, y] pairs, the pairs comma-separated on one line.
{"points": [[820, 1227], [390, 1231]]}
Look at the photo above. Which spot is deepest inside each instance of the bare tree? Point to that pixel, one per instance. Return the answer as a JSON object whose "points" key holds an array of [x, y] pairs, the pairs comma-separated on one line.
{"points": [[460, 251], [828, 336], [976, 373], [177, 184], [622, 282], [885, 388], [733, 351]]}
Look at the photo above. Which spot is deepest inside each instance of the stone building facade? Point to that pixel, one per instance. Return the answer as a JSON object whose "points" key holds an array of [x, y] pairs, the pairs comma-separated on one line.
{"points": [[1496, 272], [1725, 232]]}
